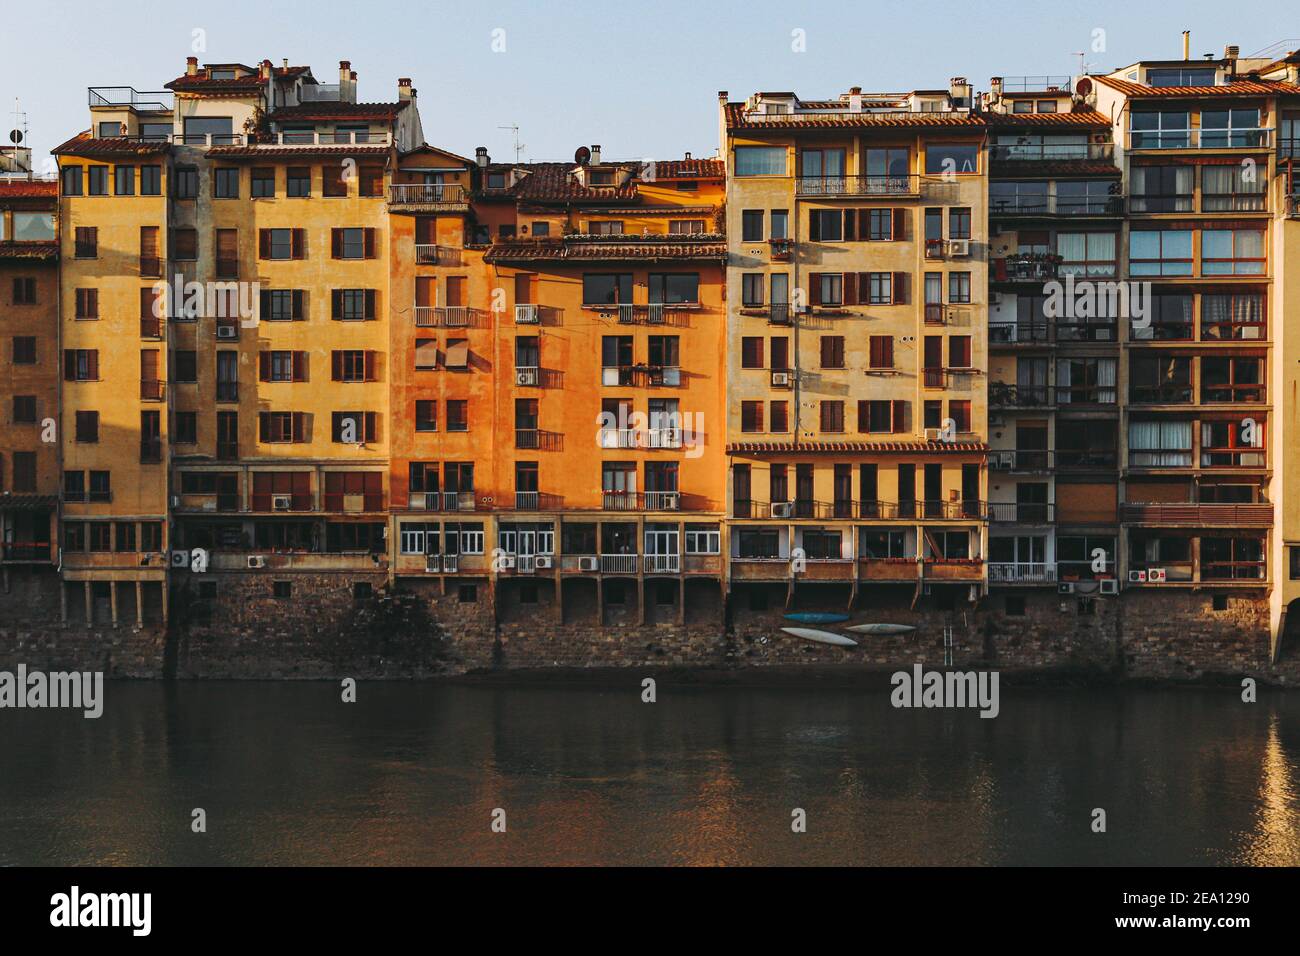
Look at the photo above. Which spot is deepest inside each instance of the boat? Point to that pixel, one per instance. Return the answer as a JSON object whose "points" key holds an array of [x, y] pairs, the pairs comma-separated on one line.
{"points": [[816, 617], [881, 629], [821, 637]]}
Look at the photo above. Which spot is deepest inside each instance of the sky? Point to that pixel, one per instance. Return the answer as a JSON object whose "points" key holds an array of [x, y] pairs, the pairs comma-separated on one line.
{"points": [[639, 78]]}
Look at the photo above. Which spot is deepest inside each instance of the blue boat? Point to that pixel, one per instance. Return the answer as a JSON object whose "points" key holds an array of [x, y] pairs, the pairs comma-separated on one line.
{"points": [[816, 617]]}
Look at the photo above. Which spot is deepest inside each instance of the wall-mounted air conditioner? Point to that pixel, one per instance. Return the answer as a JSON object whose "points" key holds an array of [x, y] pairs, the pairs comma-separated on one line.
{"points": [[780, 379], [256, 561], [1155, 575], [589, 564], [544, 562], [526, 376], [782, 509], [1109, 586], [227, 332], [933, 434], [282, 502], [1137, 577], [180, 559], [959, 248], [1065, 587]]}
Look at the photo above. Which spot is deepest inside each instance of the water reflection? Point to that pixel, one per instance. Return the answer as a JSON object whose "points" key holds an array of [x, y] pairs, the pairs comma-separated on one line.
{"points": [[707, 776]]}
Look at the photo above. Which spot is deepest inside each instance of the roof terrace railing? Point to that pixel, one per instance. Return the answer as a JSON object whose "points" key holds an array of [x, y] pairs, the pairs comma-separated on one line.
{"points": [[149, 101], [1036, 84]]}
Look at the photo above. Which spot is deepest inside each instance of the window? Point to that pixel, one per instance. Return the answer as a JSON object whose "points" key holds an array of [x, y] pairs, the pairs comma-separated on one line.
{"points": [[24, 350], [282, 243], [881, 352], [604, 228], [352, 243], [70, 177], [1160, 252], [880, 288], [185, 182], [959, 287], [282, 365], [87, 427], [1160, 444], [751, 289], [80, 365], [150, 180], [225, 183], [880, 224], [958, 223], [959, 351], [832, 351], [282, 305], [832, 416], [674, 288], [124, 180], [780, 224], [332, 182], [86, 242], [262, 182], [1232, 252], [951, 158], [825, 225], [760, 161], [702, 540], [97, 180], [780, 416], [282, 590], [751, 352], [426, 415], [606, 288], [890, 164], [184, 243], [876, 415], [298, 182], [457, 415], [751, 416], [1181, 77], [24, 290], [355, 426], [1231, 128], [1086, 253], [1234, 188], [32, 227], [1160, 129], [24, 409], [1162, 188], [370, 181], [827, 288], [751, 225], [959, 412], [349, 365], [185, 428], [690, 227]]}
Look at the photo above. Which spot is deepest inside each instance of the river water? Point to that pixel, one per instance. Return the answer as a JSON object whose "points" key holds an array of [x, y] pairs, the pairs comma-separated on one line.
{"points": [[584, 774]]}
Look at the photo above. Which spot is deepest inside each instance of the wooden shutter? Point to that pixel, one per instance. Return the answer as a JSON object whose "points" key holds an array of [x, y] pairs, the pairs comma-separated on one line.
{"points": [[336, 304], [898, 224], [370, 303], [369, 365], [900, 415], [298, 243], [369, 239], [336, 243], [851, 225], [299, 426], [264, 426], [299, 305], [372, 426], [69, 365], [264, 303], [814, 226], [336, 366], [264, 366], [264, 243], [815, 288], [850, 288], [300, 366], [898, 288]]}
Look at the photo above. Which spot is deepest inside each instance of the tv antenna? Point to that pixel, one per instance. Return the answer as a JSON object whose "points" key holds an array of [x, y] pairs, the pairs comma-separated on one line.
{"points": [[1083, 64], [519, 147]]}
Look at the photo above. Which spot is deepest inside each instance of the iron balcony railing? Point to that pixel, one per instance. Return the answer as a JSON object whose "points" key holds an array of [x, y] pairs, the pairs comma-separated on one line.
{"points": [[1021, 459], [1022, 512], [1036, 83], [527, 500], [662, 563], [442, 316], [150, 101], [1019, 333], [1021, 572], [618, 563], [1255, 138], [1053, 152], [426, 254], [1056, 206], [427, 194], [1006, 395], [904, 185], [1025, 268]]}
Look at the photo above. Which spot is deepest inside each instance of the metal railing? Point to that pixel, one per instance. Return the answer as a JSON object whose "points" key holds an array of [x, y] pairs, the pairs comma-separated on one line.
{"points": [[663, 501], [1036, 152], [907, 185], [458, 501], [662, 563], [1259, 138], [331, 137], [1006, 395], [1019, 333], [1021, 572], [414, 194], [618, 563], [426, 254], [527, 500], [1025, 268], [527, 314], [1021, 459], [147, 101], [1165, 394], [619, 501], [1022, 512], [442, 316], [1056, 206]]}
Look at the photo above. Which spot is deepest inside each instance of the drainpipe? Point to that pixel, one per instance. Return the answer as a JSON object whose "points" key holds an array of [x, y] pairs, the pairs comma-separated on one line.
{"points": [[794, 313]]}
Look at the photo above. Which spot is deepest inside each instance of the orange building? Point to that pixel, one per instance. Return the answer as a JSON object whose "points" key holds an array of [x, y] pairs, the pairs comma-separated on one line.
{"points": [[559, 334]]}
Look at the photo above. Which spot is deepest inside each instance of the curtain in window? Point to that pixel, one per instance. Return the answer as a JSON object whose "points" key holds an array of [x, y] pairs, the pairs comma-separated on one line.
{"points": [[1160, 444], [1106, 380]]}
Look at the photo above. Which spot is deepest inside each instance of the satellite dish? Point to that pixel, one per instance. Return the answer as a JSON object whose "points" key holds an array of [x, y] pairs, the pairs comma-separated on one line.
{"points": [[582, 156], [15, 136], [1083, 87]]}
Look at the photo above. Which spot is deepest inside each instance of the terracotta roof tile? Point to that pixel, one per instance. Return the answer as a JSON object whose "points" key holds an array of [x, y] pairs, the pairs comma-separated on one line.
{"points": [[1235, 88], [335, 111], [736, 119], [83, 144], [785, 447], [253, 152], [555, 182], [689, 169], [46, 250], [610, 248], [1077, 118], [28, 188]]}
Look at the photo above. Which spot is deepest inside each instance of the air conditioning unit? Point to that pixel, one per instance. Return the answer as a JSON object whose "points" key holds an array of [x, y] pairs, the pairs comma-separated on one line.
{"points": [[588, 564], [227, 332], [526, 315], [933, 434], [1155, 575], [1137, 577], [959, 248], [544, 562], [1109, 586], [282, 502], [782, 509], [526, 376], [1065, 587], [507, 562], [256, 561], [180, 559], [780, 379]]}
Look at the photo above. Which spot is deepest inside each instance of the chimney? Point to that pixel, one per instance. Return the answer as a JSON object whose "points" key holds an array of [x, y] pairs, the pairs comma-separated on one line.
{"points": [[404, 88], [595, 154], [995, 87], [1230, 53], [1187, 44], [191, 66], [264, 69], [284, 63], [855, 99], [688, 155], [345, 81], [481, 157], [959, 90]]}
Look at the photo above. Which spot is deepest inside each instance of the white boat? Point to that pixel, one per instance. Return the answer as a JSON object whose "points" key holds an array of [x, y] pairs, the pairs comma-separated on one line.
{"points": [[821, 637], [881, 629]]}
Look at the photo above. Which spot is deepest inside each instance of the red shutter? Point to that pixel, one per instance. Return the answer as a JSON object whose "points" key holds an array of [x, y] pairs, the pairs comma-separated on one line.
{"points": [[336, 303], [298, 244], [898, 288], [263, 426], [900, 415], [851, 225], [300, 366], [370, 365], [93, 365], [814, 288], [336, 366], [69, 365], [299, 305], [264, 366], [850, 288], [336, 243], [299, 426], [369, 235], [370, 303], [898, 223], [264, 243], [372, 426]]}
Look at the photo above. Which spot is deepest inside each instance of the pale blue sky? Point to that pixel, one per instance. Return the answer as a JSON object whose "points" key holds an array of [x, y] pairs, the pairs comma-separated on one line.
{"points": [[640, 78]]}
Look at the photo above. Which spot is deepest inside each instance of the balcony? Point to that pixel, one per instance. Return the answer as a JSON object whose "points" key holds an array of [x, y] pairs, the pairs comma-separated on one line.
{"points": [[537, 439], [1039, 205], [526, 375], [1085, 395], [153, 101], [458, 500], [663, 501], [1019, 333], [779, 313], [1240, 394], [26, 551], [1198, 515], [442, 316], [1087, 331], [1006, 395], [526, 314], [1293, 202], [527, 500], [934, 313], [1167, 394], [619, 501], [953, 569], [329, 137], [662, 563], [1016, 512], [1026, 267], [151, 327], [1087, 458], [426, 254], [428, 196], [1021, 572], [1051, 152], [934, 378], [151, 390], [618, 564], [150, 450], [908, 186], [1021, 460], [227, 391], [649, 313], [782, 250], [1259, 138]]}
